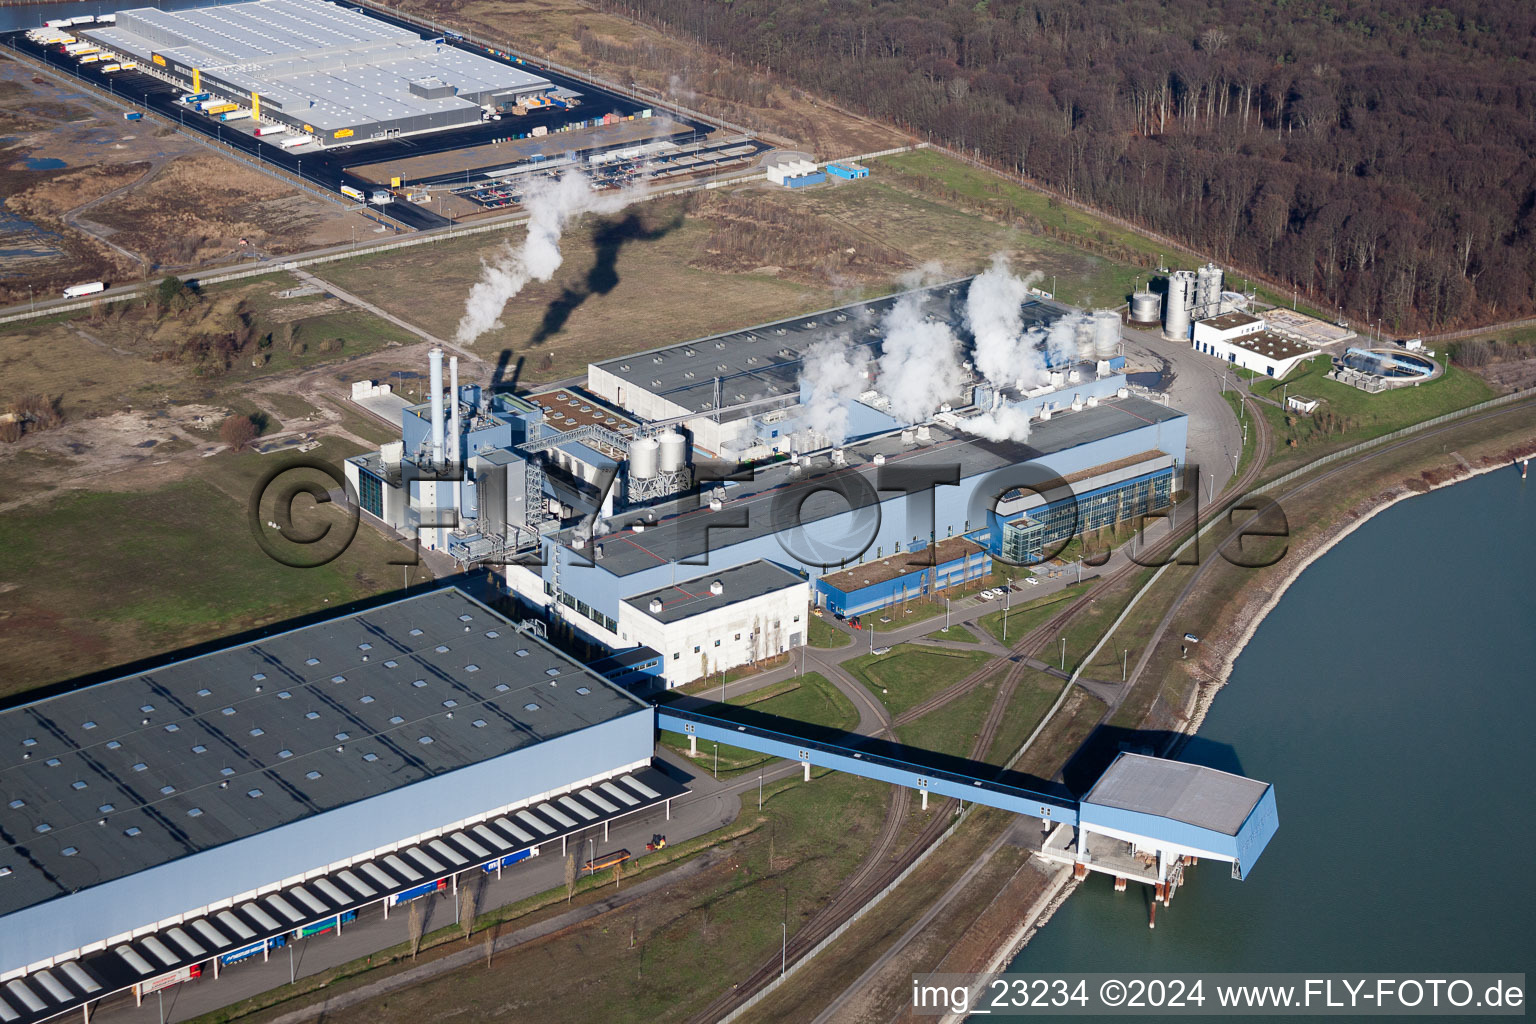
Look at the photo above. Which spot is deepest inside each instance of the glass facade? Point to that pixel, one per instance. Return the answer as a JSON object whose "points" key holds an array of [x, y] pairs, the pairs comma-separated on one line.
{"points": [[1025, 539], [370, 493]]}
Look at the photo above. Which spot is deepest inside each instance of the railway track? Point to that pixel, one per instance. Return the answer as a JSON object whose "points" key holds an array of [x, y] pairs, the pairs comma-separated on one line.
{"points": [[878, 871]]}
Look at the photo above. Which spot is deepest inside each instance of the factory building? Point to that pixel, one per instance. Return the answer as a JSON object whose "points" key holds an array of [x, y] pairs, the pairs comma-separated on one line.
{"points": [[701, 465], [319, 68], [1245, 340], [738, 616], [174, 816]]}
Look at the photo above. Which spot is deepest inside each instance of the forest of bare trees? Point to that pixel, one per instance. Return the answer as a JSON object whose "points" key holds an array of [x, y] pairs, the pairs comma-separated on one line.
{"points": [[1381, 156]]}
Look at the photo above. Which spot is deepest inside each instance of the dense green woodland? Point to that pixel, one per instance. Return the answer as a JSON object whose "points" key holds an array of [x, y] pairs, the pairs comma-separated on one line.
{"points": [[1375, 154]]}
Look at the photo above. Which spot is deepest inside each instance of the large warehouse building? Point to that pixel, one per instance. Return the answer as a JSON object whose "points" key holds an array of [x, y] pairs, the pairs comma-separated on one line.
{"points": [[320, 68], [162, 819]]}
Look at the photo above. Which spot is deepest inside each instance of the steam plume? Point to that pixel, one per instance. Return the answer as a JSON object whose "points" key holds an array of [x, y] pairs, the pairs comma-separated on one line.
{"points": [[1004, 423], [919, 370], [552, 205], [831, 377], [994, 304]]}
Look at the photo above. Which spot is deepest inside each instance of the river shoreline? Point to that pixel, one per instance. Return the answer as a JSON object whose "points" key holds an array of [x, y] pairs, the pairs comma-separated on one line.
{"points": [[1243, 631]]}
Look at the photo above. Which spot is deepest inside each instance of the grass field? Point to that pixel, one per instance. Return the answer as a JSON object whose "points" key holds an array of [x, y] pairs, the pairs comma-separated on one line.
{"points": [[1355, 415], [808, 698], [1024, 616], [95, 579], [105, 363], [909, 674], [607, 298], [823, 634], [955, 634]]}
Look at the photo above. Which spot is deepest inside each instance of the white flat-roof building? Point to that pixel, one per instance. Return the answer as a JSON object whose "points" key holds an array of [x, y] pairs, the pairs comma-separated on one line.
{"points": [[1245, 340]]}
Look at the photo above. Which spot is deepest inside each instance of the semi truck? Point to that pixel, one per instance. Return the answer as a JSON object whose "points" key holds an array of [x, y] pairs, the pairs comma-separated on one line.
{"points": [[92, 58], [510, 859], [74, 291], [234, 115], [196, 97], [321, 927], [297, 140], [418, 892], [132, 115], [271, 129], [215, 109], [353, 193], [234, 956]]}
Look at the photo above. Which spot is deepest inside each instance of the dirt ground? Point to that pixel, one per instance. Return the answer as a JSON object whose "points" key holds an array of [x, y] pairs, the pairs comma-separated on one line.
{"points": [[118, 197], [680, 71]]}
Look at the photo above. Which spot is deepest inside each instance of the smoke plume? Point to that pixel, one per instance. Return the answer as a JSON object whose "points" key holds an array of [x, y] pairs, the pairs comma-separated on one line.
{"points": [[1061, 341], [919, 370], [1004, 423], [831, 376], [551, 205], [1003, 353]]}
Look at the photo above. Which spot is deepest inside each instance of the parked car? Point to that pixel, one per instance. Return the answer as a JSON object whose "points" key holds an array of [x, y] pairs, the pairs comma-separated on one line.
{"points": [[880, 650], [1191, 638], [1031, 581]]}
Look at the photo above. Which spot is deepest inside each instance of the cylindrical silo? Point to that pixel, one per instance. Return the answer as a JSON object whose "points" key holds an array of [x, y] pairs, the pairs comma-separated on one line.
{"points": [[674, 451], [1208, 297], [1106, 333], [1146, 308], [643, 455], [1181, 296]]}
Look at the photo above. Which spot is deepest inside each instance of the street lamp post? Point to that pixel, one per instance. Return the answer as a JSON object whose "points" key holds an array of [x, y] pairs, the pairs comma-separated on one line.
{"points": [[1006, 593], [1063, 654], [591, 854], [946, 615]]}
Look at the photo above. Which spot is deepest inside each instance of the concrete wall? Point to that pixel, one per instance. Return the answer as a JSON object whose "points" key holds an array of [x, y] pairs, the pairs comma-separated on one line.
{"points": [[215, 879]]}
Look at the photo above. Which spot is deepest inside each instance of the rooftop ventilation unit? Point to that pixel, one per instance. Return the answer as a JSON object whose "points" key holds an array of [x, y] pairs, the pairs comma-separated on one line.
{"points": [[655, 606], [716, 588]]}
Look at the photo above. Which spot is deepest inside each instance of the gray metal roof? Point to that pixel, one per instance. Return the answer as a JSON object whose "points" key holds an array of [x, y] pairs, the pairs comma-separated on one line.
{"points": [[147, 768], [1191, 793], [329, 65], [693, 597], [681, 528], [764, 361]]}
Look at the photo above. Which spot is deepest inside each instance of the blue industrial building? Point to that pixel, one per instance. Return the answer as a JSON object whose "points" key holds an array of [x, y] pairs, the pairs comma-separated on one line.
{"points": [[921, 572], [848, 171]]}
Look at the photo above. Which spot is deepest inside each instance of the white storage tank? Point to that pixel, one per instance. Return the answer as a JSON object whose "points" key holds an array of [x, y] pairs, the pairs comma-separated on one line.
{"points": [[1233, 300], [1146, 308], [643, 458], [1106, 333], [1181, 297], [674, 451]]}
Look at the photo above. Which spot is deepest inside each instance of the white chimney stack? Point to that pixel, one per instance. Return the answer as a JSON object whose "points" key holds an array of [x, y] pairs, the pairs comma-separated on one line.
{"points": [[435, 365], [453, 405]]}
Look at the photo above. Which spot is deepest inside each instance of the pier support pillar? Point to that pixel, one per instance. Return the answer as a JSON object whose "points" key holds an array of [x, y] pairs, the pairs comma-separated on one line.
{"points": [[1080, 870], [1119, 884], [1152, 915]]}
